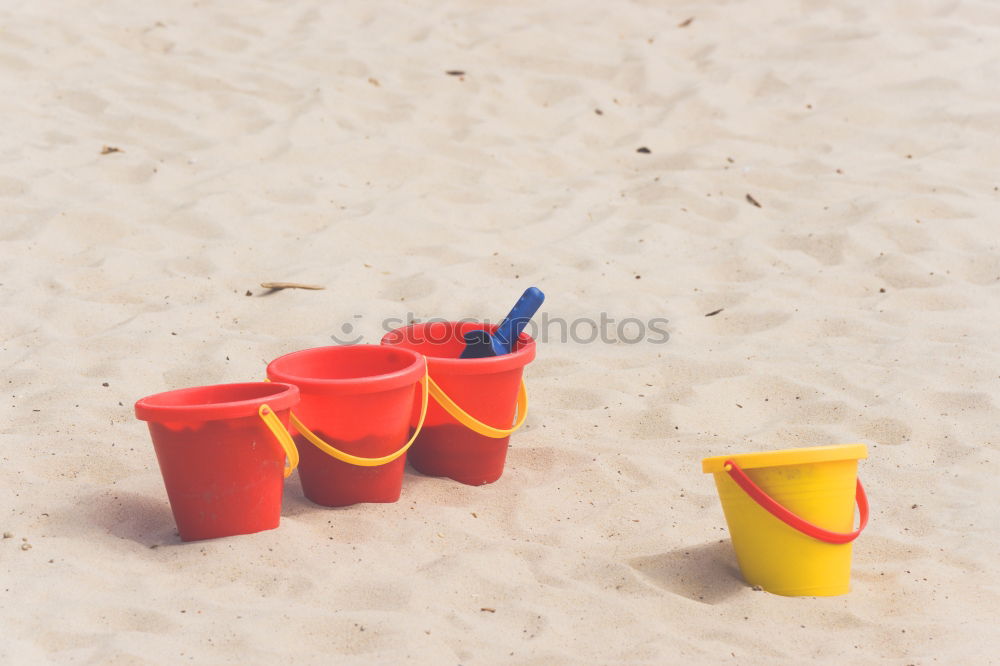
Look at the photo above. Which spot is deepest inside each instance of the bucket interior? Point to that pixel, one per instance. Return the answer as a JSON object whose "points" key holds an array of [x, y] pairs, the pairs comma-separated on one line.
{"points": [[441, 339], [221, 401], [343, 362], [215, 395]]}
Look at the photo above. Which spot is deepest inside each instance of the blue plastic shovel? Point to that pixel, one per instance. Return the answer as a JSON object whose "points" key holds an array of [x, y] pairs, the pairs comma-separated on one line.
{"points": [[480, 344]]}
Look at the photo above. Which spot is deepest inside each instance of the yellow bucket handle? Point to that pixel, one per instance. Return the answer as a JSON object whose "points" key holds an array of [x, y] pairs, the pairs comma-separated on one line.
{"points": [[431, 389], [273, 423], [358, 460], [470, 421]]}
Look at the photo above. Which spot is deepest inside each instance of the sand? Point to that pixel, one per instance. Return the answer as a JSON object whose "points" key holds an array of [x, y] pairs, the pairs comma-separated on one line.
{"points": [[160, 160]]}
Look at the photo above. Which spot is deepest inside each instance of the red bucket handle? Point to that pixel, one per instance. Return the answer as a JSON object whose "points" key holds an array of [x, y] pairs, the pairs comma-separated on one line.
{"points": [[796, 522]]}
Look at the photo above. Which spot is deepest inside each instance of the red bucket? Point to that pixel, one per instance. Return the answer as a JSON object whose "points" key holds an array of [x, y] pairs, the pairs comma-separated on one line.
{"points": [[469, 447], [353, 419], [222, 453]]}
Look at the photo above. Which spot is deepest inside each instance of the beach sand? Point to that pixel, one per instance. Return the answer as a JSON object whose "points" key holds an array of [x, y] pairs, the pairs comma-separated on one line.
{"points": [[159, 161]]}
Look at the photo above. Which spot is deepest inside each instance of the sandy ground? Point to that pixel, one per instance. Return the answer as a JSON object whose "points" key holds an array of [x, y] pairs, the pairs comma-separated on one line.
{"points": [[325, 143]]}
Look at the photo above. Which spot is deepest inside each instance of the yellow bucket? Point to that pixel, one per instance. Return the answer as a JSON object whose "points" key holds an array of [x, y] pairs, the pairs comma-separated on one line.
{"points": [[791, 516]]}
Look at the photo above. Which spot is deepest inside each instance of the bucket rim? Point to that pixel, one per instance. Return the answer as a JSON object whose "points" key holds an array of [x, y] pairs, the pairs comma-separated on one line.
{"points": [[173, 406], [800, 456], [386, 381], [524, 355]]}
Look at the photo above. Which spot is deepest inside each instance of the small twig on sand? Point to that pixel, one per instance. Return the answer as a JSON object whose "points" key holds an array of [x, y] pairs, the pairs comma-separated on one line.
{"points": [[290, 285]]}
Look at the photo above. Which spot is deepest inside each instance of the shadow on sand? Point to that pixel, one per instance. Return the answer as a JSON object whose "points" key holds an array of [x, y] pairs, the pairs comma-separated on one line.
{"points": [[140, 518], [707, 573]]}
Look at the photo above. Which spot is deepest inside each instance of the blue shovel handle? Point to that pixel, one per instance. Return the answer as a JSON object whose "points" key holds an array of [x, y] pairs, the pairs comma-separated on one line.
{"points": [[522, 312], [480, 344]]}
